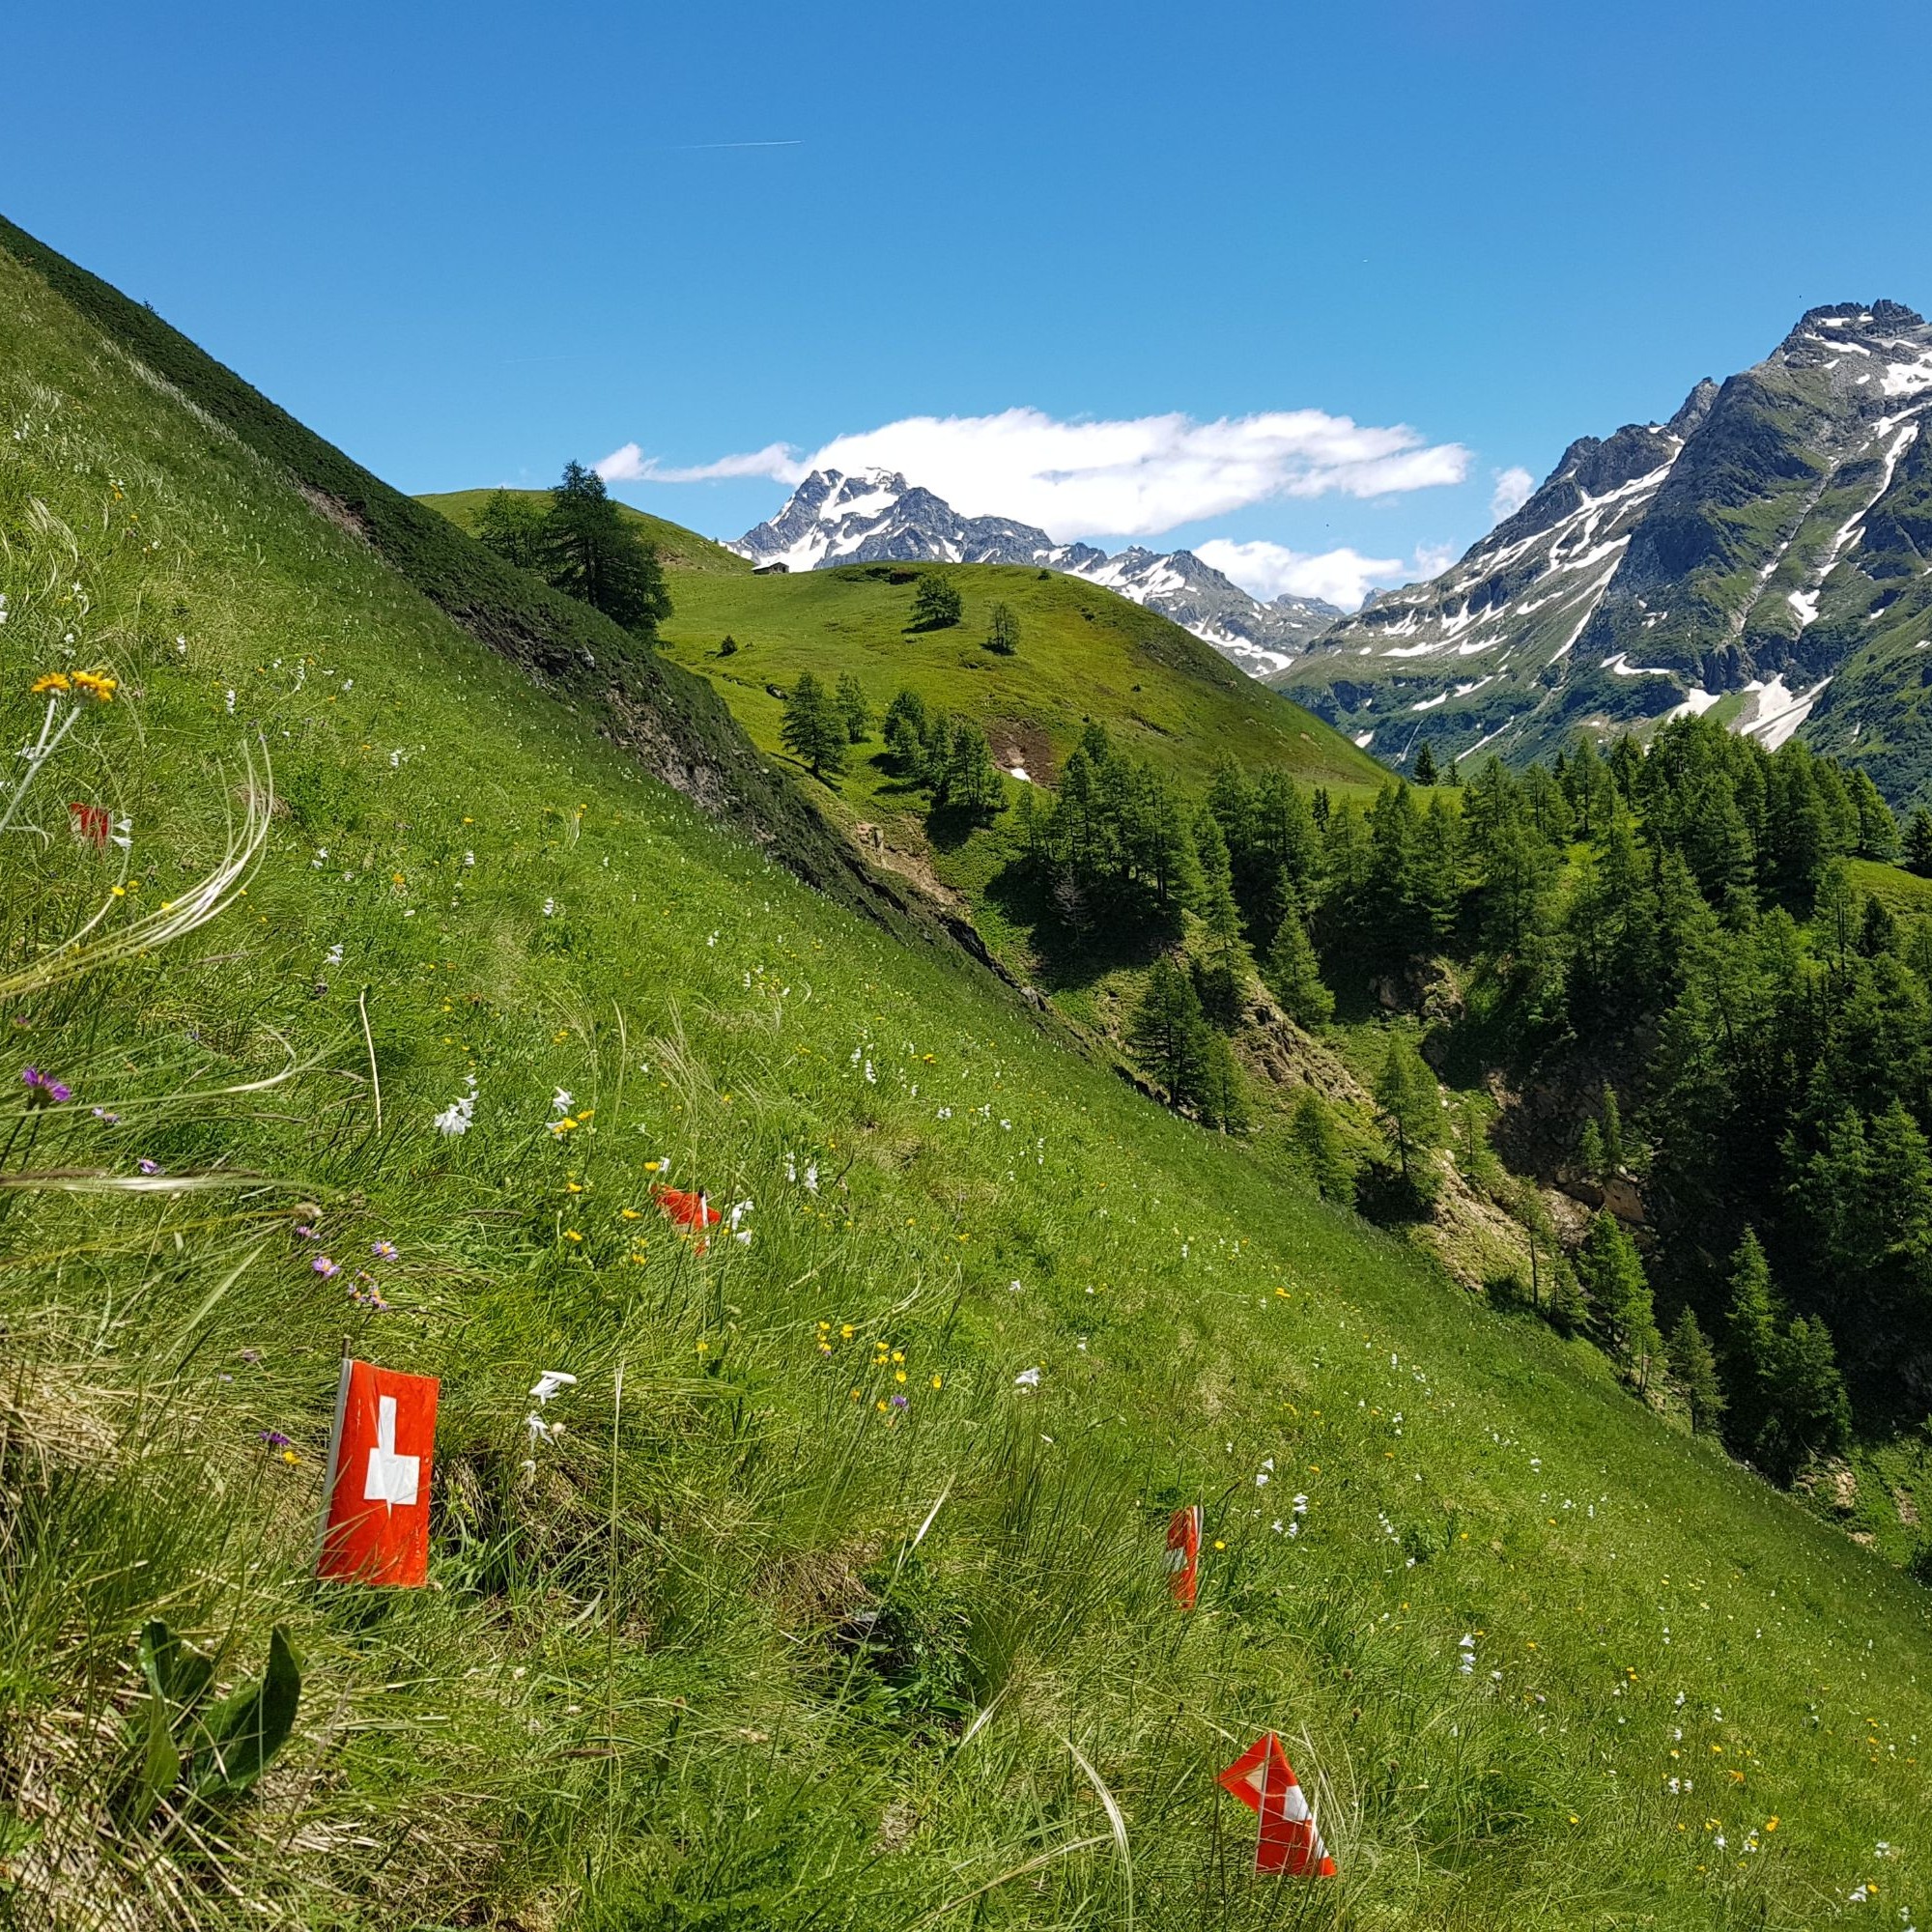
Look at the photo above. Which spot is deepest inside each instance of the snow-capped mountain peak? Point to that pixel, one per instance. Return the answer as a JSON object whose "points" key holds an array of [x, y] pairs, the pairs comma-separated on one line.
{"points": [[1766, 546], [877, 516]]}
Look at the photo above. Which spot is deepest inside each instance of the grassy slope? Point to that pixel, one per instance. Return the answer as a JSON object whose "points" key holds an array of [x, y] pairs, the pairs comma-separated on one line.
{"points": [[1085, 653], [671, 721], [619, 1704], [679, 549]]}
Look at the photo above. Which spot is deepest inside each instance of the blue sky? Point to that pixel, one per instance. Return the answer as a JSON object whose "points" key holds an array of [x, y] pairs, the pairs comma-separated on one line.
{"points": [[470, 243]]}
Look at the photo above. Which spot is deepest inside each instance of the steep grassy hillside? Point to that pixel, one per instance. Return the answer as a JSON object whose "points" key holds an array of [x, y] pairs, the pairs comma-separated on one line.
{"points": [[748, 1642], [670, 720]]}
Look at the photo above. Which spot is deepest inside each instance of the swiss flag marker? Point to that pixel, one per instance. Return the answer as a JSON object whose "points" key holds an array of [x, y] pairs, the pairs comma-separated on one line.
{"points": [[1263, 1779], [1183, 1554], [377, 1529]]}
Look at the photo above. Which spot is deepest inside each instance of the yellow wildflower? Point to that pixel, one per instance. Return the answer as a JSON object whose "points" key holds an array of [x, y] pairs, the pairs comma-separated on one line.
{"points": [[96, 685], [55, 680]]}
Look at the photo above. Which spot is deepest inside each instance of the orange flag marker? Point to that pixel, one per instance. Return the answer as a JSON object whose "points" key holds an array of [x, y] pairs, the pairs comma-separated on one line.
{"points": [[1265, 1781], [1183, 1554], [377, 1529], [687, 1210]]}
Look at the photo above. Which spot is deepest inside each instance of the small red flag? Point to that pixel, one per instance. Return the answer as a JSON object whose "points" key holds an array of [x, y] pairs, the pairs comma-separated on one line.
{"points": [[687, 1210], [1264, 1780], [1183, 1554], [377, 1530], [92, 822]]}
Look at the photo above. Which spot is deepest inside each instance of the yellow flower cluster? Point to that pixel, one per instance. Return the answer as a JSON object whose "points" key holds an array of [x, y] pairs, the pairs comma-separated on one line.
{"points": [[94, 684]]}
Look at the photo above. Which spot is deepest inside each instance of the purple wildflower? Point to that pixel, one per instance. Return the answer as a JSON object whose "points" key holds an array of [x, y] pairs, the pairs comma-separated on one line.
{"points": [[304, 1232], [148, 1166], [326, 1267], [384, 1251], [43, 1088], [106, 1116], [900, 1402], [275, 1439]]}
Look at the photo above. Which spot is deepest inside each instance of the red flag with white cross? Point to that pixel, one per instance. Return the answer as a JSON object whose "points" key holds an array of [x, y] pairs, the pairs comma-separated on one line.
{"points": [[377, 1529], [1183, 1554], [1264, 1780]]}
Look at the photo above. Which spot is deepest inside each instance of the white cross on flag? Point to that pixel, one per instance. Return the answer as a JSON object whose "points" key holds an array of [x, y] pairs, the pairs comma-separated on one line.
{"points": [[377, 1529]]}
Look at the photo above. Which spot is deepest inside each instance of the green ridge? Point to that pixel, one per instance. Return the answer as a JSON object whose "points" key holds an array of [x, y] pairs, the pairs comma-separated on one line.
{"points": [[1086, 653]]}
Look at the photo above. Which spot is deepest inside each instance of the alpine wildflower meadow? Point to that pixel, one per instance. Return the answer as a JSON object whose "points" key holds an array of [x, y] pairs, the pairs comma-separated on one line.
{"points": [[792, 1563]]}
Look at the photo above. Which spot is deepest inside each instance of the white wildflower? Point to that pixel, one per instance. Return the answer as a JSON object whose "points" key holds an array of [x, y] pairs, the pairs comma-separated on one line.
{"points": [[549, 1382], [334, 956], [1026, 1378]]}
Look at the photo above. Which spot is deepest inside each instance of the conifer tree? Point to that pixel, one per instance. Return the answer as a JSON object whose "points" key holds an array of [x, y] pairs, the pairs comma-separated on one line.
{"points": [[1695, 1370], [1878, 929], [936, 604], [1218, 1092], [1877, 828], [590, 553], [904, 729], [1425, 764], [1219, 915], [969, 782], [1752, 1325], [1613, 1131], [1320, 1149], [1411, 1108], [1809, 1412], [1611, 1269], [1918, 842], [512, 527], [935, 747], [850, 699], [1294, 975], [1438, 871], [812, 729], [1167, 1030], [1003, 630]]}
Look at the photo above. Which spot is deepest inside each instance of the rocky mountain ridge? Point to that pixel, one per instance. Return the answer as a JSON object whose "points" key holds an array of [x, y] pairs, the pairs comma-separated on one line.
{"points": [[1765, 554]]}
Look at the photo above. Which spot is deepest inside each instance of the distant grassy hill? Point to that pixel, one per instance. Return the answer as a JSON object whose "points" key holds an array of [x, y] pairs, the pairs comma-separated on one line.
{"points": [[830, 1597], [1086, 654], [678, 548]]}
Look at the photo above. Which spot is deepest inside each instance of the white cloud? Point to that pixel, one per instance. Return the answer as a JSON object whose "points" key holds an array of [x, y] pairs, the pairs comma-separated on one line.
{"points": [[1268, 570], [1132, 477], [1514, 486], [1432, 559], [630, 464]]}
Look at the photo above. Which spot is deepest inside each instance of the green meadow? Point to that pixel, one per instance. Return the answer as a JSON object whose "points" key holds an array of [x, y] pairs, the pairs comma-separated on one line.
{"points": [[837, 1601]]}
